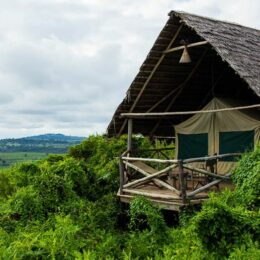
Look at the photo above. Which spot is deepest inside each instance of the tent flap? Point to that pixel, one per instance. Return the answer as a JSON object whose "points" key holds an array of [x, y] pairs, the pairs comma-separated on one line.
{"points": [[235, 142], [193, 145]]}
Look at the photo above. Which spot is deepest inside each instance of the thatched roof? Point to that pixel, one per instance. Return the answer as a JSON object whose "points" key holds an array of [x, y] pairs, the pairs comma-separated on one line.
{"points": [[227, 66], [238, 45]]}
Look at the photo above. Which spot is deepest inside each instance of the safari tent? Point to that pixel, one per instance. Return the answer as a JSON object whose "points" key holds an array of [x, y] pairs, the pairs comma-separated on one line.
{"points": [[209, 133], [199, 85]]}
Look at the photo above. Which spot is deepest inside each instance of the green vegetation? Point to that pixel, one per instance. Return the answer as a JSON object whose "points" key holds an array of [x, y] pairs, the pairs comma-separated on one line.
{"points": [[34, 147], [65, 207], [7, 159]]}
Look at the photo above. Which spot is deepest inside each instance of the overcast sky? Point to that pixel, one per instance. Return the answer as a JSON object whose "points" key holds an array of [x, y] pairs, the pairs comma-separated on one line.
{"points": [[66, 64]]}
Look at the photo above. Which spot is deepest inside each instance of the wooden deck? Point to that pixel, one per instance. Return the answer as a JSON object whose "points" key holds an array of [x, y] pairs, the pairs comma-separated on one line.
{"points": [[173, 186], [164, 198]]}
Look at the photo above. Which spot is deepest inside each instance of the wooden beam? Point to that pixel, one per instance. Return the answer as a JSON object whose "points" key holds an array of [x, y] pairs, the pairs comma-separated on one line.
{"points": [[150, 76], [163, 99], [168, 114], [163, 204], [195, 44], [206, 158], [211, 91], [151, 195], [157, 149], [149, 177], [207, 186], [149, 160], [205, 172], [183, 86], [157, 181], [164, 137]]}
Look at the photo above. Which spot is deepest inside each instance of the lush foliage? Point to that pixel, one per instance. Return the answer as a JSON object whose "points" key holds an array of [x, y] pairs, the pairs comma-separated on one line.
{"points": [[65, 207], [247, 179]]}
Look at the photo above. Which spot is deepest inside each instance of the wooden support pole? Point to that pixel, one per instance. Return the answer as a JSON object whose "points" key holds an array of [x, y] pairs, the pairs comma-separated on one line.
{"points": [[194, 44], [164, 155], [182, 181], [130, 133], [163, 99], [129, 140], [121, 171]]}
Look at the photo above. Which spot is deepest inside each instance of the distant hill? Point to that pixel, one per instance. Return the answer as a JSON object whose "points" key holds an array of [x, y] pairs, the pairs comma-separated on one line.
{"points": [[46, 143], [55, 137]]}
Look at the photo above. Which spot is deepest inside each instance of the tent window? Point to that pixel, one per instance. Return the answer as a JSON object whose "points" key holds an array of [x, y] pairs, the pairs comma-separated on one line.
{"points": [[235, 142], [192, 145]]}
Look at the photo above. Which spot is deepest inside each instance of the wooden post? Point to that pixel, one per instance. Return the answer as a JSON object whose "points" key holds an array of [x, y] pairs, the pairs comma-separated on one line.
{"points": [[129, 141], [130, 132], [182, 181], [121, 171]]}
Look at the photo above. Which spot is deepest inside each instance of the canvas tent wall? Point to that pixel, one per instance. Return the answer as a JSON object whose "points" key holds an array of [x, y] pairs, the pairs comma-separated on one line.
{"points": [[219, 132]]}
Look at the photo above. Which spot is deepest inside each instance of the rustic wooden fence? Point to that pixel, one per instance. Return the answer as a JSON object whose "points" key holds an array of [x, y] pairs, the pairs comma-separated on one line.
{"points": [[182, 172]]}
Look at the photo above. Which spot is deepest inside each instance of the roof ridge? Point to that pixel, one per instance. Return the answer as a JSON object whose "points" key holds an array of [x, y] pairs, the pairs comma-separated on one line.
{"points": [[180, 13]]}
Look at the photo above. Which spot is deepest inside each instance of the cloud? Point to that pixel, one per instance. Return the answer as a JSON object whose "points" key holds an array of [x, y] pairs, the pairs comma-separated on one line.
{"points": [[66, 64]]}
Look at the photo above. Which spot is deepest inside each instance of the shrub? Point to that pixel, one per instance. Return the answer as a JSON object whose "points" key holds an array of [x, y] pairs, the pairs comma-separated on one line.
{"points": [[102, 213], [101, 156], [220, 226], [247, 179], [6, 187], [24, 174], [43, 241], [61, 241], [244, 252], [53, 158], [145, 215], [105, 244], [53, 191], [75, 173], [183, 243], [26, 205], [142, 244]]}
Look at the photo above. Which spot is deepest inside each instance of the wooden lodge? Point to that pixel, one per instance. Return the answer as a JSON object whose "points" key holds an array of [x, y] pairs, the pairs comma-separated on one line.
{"points": [[198, 86]]}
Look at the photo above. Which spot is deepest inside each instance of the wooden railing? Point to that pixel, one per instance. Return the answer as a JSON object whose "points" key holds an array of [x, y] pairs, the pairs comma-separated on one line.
{"points": [[180, 170]]}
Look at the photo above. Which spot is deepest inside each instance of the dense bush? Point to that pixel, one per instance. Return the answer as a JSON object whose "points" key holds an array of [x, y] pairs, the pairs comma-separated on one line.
{"points": [[232, 219], [65, 207], [145, 215], [6, 188], [247, 179], [220, 226]]}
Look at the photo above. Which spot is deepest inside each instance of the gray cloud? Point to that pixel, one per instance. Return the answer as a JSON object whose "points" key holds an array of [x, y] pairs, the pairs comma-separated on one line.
{"points": [[66, 64]]}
